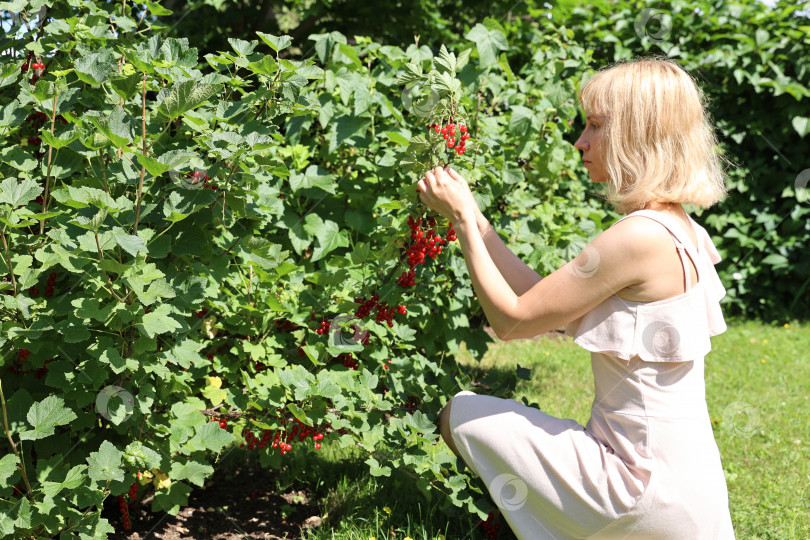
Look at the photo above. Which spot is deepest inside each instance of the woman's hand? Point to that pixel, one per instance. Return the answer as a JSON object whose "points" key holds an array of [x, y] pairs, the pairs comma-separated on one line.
{"points": [[444, 191]]}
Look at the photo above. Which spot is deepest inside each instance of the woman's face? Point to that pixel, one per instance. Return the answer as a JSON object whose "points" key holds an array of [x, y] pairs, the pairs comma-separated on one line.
{"points": [[593, 152]]}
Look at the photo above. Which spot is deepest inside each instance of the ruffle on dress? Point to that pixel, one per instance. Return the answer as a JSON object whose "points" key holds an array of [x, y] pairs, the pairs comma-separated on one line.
{"points": [[676, 329]]}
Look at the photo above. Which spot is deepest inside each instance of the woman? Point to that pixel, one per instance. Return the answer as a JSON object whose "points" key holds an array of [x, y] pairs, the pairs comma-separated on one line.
{"points": [[643, 298]]}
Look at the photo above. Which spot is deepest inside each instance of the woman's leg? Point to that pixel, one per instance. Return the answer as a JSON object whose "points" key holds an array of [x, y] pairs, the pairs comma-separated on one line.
{"points": [[444, 427]]}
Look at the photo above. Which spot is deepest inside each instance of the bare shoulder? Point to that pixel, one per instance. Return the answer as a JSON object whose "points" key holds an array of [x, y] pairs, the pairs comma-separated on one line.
{"points": [[633, 238]]}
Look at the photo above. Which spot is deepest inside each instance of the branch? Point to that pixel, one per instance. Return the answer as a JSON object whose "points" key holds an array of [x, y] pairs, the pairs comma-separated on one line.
{"points": [[145, 153]]}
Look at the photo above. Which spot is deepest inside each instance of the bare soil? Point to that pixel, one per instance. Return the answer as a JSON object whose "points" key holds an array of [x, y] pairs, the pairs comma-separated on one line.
{"points": [[233, 505]]}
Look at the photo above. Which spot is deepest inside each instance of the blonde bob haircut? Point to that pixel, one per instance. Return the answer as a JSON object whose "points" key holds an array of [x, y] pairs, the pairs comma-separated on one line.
{"points": [[659, 143]]}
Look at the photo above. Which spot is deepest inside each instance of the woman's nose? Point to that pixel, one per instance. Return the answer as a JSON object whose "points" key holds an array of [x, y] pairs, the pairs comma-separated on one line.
{"points": [[581, 144]]}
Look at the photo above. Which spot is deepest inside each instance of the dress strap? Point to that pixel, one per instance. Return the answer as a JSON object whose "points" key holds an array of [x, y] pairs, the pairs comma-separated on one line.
{"points": [[682, 247]]}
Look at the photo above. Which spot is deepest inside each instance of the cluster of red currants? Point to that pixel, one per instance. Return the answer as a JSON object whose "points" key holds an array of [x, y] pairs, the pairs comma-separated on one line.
{"points": [[491, 525], [324, 329], [448, 132], [385, 313], [223, 422], [427, 243], [122, 502], [412, 403], [48, 287], [202, 313], [348, 361], [21, 356], [282, 439], [199, 176]]}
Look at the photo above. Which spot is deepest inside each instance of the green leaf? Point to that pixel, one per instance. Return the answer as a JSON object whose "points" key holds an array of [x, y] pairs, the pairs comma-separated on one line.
{"points": [[173, 498], [96, 68], [19, 192], [105, 464], [131, 243], [19, 158], [446, 61], [328, 234], [45, 415], [488, 43], [299, 413], [139, 455], [209, 436], [277, 43], [375, 469], [185, 96], [9, 74], [193, 471], [73, 479], [314, 176], [157, 9], [242, 47], [802, 125], [8, 465], [159, 321], [116, 125]]}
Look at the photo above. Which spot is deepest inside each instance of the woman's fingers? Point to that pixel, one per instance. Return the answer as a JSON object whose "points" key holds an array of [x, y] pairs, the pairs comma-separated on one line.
{"points": [[454, 175]]}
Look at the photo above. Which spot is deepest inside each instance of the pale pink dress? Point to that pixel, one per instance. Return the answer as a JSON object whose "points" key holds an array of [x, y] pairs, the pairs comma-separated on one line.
{"points": [[646, 465]]}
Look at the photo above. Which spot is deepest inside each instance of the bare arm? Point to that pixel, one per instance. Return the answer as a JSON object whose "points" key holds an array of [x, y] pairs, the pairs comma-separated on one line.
{"points": [[517, 274]]}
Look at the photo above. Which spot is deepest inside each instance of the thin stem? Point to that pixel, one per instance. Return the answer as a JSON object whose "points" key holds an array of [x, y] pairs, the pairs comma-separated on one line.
{"points": [[45, 200], [145, 153], [100, 257], [13, 445], [8, 260]]}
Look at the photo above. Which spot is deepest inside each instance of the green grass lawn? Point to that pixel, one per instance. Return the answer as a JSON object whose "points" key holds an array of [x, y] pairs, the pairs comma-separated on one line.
{"points": [[758, 394]]}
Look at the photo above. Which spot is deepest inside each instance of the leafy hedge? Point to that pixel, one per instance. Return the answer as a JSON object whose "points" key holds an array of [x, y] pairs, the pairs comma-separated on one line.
{"points": [[206, 255]]}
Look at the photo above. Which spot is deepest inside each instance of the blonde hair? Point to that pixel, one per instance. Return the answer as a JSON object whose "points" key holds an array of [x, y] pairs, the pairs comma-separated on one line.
{"points": [[659, 143]]}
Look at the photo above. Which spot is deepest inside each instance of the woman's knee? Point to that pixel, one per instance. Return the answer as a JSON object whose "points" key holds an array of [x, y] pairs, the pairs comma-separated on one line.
{"points": [[444, 427]]}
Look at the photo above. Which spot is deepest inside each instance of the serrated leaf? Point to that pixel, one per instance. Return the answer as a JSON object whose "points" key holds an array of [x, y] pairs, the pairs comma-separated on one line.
{"points": [[131, 243], [105, 464], [139, 455], [95, 68], [185, 96], [446, 61], [375, 469], [277, 43], [193, 471], [488, 43], [8, 465], [159, 321], [45, 415], [209, 436], [19, 192], [73, 479], [314, 176]]}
